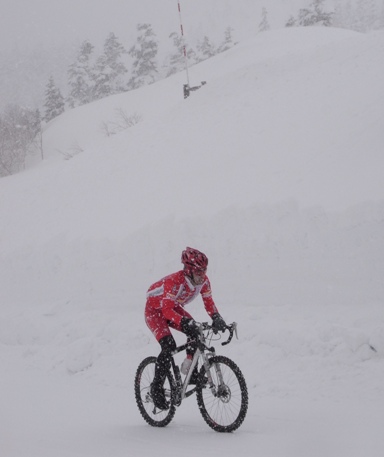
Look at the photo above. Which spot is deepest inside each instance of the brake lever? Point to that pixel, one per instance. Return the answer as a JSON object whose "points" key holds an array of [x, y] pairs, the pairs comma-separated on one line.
{"points": [[234, 325], [232, 330]]}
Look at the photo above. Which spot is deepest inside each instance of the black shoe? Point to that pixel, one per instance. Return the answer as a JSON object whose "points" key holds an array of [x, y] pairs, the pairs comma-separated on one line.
{"points": [[158, 397]]}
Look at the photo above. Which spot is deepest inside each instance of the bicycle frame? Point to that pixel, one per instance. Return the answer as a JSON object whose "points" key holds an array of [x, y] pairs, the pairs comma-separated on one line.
{"points": [[203, 351]]}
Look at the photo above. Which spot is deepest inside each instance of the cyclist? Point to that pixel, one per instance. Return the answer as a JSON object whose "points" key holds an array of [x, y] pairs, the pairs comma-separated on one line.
{"points": [[165, 309]]}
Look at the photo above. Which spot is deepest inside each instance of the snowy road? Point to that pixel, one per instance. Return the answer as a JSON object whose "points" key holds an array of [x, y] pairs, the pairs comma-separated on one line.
{"points": [[45, 416]]}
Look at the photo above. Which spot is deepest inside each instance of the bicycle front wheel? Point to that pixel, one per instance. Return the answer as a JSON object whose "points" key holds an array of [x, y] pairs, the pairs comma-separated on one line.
{"points": [[223, 405], [143, 379]]}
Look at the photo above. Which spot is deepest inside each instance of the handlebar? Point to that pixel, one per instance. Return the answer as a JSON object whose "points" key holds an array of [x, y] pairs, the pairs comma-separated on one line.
{"points": [[232, 328]]}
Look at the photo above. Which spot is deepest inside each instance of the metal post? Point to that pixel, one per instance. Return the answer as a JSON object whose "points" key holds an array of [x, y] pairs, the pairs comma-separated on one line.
{"points": [[183, 40]]}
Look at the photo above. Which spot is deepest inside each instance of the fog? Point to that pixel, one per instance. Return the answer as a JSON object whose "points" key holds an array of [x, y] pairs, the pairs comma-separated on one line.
{"points": [[31, 23], [40, 38], [34, 23]]}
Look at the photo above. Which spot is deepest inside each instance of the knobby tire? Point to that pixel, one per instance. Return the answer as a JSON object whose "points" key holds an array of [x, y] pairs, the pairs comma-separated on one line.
{"points": [[143, 379], [225, 411]]}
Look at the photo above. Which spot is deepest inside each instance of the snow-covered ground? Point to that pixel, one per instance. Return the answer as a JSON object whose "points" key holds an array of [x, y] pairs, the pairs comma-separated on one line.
{"points": [[275, 169]]}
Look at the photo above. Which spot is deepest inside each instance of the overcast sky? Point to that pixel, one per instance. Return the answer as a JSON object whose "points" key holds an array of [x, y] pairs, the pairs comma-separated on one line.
{"points": [[27, 23], [32, 22]]}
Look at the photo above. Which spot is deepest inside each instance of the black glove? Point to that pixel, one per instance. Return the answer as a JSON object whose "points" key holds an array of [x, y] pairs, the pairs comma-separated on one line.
{"points": [[218, 323], [190, 327]]}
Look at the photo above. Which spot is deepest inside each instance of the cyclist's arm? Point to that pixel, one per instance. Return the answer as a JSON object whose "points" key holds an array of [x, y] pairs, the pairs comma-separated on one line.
{"points": [[206, 294]]}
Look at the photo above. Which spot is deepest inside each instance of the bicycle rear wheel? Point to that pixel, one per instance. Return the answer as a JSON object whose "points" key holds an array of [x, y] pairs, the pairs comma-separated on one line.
{"points": [[223, 406], [143, 379]]}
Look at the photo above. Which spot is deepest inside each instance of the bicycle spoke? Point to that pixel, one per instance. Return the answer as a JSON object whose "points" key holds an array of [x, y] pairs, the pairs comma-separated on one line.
{"points": [[225, 409], [143, 379]]}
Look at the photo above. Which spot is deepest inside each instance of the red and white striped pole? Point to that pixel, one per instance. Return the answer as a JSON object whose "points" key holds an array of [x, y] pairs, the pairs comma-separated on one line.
{"points": [[183, 41]]}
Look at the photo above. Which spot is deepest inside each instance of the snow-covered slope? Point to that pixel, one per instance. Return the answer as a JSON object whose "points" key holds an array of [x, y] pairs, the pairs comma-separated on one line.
{"points": [[275, 169], [287, 128], [293, 122]]}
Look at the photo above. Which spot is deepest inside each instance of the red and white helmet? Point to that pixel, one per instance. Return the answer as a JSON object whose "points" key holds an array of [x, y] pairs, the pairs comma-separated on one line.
{"points": [[194, 260]]}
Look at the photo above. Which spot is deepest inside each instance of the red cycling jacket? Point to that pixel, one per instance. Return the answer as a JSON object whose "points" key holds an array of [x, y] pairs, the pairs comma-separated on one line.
{"points": [[177, 290]]}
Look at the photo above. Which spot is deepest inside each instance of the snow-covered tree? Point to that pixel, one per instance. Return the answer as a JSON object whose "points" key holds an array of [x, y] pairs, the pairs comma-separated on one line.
{"points": [[176, 61], [338, 15], [228, 40], [144, 53], [292, 22], [371, 15], [109, 70], [81, 78], [206, 49], [54, 101], [315, 15], [366, 16], [380, 24], [264, 24], [19, 128], [347, 15], [36, 136]]}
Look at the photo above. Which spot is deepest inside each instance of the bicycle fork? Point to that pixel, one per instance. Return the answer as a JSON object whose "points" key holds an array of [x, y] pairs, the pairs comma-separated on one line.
{"points": [[215, 389]]}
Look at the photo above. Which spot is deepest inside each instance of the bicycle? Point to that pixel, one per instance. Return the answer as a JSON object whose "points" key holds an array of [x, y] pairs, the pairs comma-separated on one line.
{"points": [[221, 390]]}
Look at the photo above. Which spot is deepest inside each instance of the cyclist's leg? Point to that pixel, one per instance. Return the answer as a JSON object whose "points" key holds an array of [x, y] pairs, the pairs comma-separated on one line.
{"points": [[191, 348], [163, 363], [162, 366], [160, 329], [156, 322], [180, 310]]}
